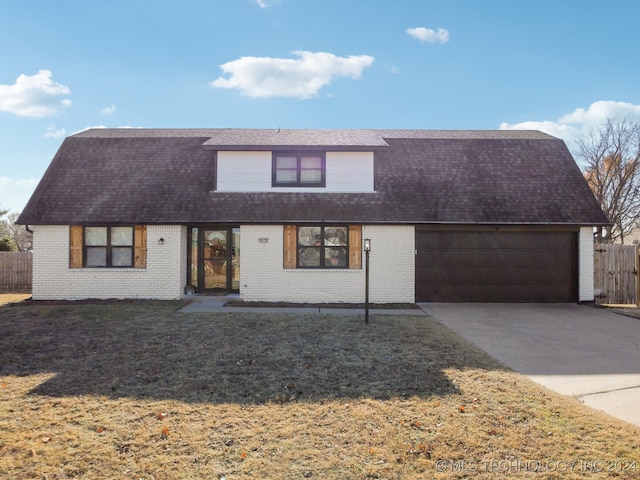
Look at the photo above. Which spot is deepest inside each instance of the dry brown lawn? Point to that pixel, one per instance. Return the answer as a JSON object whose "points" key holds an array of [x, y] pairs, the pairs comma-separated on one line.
{"points": [[135, 390], [11, 297]]}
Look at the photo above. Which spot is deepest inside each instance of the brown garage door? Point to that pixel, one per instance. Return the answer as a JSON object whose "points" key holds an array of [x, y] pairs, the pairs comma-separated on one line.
{"points": [[496, 266]]}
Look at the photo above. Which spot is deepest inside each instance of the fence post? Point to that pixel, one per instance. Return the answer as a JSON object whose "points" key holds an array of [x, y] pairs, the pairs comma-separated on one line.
{"points": [[637, 274]]}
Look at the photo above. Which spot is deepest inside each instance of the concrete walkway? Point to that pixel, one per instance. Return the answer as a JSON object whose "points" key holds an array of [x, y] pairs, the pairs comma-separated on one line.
{"points": [[217, 304], [590, 353]]}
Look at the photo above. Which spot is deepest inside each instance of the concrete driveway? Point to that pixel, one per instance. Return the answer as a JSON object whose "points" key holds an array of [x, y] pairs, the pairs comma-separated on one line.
{"points": [[590, 353]]}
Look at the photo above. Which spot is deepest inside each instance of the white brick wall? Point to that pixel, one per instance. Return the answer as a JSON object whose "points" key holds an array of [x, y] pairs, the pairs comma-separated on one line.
{"points": [[392, 272], [164, 278], [262, 276], [585, 264]]}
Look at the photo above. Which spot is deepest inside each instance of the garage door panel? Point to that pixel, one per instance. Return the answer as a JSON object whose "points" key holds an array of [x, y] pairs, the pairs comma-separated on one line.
{"points": [[471, 276], [496, 266], [513, 294]]}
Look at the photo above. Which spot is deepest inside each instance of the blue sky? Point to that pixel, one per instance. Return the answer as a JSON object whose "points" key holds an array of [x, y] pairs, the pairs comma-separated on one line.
{"points": [[559, 66]]}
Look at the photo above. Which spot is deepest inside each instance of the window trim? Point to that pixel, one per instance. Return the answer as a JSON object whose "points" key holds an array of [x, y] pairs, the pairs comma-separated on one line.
{"points": [[109, 246], [290, 247], [298, 155], [322, 248], [77, 247]]}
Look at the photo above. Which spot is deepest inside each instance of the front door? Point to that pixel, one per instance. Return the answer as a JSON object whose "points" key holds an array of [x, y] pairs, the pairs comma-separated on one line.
{"points": [[215, 259]]}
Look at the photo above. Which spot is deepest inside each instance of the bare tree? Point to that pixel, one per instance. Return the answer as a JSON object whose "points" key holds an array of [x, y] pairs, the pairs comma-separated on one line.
{"points": [[611, 157], [14, 236], [6, 243], [20, 235]]}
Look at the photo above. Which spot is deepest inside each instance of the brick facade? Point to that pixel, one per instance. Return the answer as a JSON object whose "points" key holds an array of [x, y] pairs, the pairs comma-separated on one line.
{"points": [[164, 278], [263, 278], [262, 274]]}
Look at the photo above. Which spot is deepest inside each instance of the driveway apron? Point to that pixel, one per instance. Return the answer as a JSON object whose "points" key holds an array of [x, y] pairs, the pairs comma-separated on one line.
{"points": [[590, 353]]}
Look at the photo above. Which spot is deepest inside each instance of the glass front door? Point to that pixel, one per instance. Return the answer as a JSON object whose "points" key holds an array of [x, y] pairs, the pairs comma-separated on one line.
{"points": [[216, 249], [214, 259]]}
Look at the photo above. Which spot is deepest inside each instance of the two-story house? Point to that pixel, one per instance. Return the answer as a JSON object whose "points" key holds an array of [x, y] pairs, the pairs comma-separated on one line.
{"points": [[280, 215]]}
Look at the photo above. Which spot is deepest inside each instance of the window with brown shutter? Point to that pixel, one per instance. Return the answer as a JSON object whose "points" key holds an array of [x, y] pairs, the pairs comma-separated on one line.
{"points": [[290, 257], [140, 247], [75, 246], [355, 246], [108, 246], [322, 246]]}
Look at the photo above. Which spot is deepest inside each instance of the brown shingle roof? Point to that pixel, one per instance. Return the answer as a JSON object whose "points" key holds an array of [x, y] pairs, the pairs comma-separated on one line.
{"points": [[422, 176]]}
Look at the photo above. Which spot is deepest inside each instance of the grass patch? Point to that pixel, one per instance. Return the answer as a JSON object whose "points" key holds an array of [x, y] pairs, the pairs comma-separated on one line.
{"points": [[136, 390]]}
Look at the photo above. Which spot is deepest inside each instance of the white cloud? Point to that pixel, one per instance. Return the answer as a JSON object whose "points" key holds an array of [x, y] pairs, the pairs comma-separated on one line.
{"points": [[16, 192], [267, 3], [441, 35], [552, 128], [88, 128], [34, 96], [52, 132], [301, 78], [110, 110], [600, 111], [571, 126]]}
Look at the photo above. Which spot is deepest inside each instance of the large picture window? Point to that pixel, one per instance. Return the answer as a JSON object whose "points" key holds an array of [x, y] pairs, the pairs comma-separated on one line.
{"points": [[292, 169], [323, 247]]}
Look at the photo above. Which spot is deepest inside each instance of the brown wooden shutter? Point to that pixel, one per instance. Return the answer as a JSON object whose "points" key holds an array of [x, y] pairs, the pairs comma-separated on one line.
{"points": [[140, 246], [355, 246], [290, 244], [75, 246]]}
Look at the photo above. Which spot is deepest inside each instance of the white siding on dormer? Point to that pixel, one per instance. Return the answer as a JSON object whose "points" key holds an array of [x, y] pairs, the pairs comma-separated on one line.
{"points": [[349, 171], [251, 172], [244, 171]]}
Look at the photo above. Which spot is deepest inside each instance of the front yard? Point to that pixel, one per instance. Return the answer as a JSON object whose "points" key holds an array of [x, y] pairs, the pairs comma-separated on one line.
{"points": [[135, 390]]}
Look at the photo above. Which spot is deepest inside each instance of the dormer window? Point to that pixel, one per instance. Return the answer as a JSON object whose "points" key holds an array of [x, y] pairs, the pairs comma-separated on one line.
{"points": [[295, 169]]}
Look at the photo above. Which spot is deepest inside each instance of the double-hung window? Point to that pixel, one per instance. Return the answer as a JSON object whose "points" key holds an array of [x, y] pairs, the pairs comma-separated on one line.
{"points": [[323, 247], [108, 246], [291, 169]]}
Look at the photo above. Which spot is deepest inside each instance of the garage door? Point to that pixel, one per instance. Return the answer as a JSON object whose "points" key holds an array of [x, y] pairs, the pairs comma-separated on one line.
{"points": [[496, 266]]}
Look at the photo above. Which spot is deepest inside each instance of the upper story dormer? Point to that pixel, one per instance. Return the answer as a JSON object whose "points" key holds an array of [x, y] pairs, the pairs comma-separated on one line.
{"points": [[316, 161], [294, 171]]}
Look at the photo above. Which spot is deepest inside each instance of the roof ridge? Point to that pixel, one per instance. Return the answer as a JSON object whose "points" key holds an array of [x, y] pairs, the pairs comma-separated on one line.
{"points": [[308, 136]]}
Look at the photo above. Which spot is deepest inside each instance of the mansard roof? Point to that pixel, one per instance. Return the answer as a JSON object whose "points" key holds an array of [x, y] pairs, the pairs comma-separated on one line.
{"points": [[157, 176]]}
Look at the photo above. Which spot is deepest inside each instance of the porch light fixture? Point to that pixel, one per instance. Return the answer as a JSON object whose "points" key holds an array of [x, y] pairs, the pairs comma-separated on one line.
{"points": [[367, 249], [161, 241]]}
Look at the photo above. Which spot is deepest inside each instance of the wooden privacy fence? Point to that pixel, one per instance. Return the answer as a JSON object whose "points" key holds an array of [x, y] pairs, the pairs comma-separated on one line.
{"points": [[615, 274], [15, 270]]}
